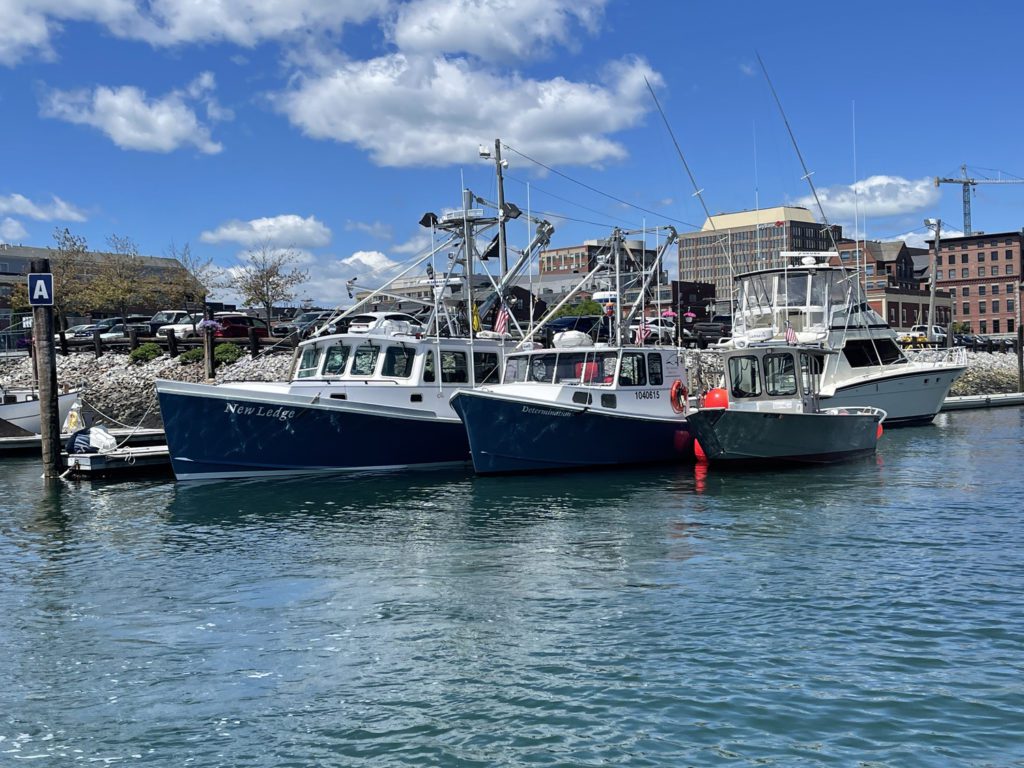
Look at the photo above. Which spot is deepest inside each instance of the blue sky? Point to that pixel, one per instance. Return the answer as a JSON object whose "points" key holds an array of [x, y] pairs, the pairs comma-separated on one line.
{"points": [[330, 126]]}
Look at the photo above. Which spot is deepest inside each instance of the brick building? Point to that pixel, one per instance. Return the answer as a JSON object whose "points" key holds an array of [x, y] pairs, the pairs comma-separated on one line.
{"points": [[982, 273]]}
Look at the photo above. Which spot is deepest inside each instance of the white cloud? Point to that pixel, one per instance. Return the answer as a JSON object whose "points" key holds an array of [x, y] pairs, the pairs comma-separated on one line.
{"points": [[286, 230], [58, 210], [419, 243], [28, 26], [875, 197], [493, 29], [12, 231], [917, 238], [373, 263], [377, 229], [407, 111], [133, 121]]}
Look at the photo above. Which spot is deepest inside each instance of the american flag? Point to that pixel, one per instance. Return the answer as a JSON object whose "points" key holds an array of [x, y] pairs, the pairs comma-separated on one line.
{"points": [[642, 332], [501, 321], [790, 334]]}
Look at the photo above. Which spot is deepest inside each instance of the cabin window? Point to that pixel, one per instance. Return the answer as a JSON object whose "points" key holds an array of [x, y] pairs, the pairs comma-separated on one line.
{"points": [[633, 371], [516, 369], [364, 362], [454, 369], [398, 362], [429, 367], [541, 368], [485, 368], [780, 375], [654, 370], [309, 362], [745, 375], [571, 367], [337, 356]]}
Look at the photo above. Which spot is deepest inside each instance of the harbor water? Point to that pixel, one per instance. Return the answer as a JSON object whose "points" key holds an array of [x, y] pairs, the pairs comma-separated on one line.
{"points": [[864, 614]]}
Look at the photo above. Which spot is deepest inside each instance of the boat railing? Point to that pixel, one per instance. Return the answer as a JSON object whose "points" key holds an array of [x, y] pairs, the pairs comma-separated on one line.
{"points": [[949, 355], [856, 410]]}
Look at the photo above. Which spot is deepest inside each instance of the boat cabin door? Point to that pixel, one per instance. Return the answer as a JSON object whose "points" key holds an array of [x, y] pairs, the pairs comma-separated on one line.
{"points": [[810, 378]]}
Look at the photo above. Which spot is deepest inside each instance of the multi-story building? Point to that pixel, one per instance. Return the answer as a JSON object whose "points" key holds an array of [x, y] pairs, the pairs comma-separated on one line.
{"points": [[982, 272], [731, 243], [895, 277], [562, 269]]}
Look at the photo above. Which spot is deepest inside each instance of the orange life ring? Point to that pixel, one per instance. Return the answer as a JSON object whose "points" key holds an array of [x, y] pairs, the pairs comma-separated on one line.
{"points": [[678, 396]]}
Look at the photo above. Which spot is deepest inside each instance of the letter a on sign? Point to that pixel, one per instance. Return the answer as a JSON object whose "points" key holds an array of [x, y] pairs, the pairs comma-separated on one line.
{"points": [[40, 289]]}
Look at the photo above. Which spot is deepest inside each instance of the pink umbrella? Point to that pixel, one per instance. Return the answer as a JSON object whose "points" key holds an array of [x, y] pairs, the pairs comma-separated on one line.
{"points": [[668, 313]]}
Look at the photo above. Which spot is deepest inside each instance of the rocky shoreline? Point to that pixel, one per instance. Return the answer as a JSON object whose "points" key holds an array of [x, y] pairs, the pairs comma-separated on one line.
{"points": [[121, 392]]}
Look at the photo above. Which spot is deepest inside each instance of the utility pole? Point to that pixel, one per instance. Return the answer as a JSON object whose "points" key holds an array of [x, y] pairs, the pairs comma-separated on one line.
{"points": [[937, 223]]}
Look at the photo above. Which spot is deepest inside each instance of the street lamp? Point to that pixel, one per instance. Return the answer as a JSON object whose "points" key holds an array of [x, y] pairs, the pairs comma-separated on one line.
{"points": [[935, 224]]}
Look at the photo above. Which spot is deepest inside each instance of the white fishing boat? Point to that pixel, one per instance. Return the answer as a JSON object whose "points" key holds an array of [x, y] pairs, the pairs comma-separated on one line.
{"points": [[20, 407], [770, 412], [810, 301]]}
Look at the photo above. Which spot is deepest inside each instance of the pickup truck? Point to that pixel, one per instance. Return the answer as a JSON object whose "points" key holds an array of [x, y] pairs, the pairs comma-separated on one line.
{"points": [[712, 331]]}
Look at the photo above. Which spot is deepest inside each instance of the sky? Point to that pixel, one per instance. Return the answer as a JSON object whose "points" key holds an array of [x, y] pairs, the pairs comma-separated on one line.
{"points": [[328, 127]]}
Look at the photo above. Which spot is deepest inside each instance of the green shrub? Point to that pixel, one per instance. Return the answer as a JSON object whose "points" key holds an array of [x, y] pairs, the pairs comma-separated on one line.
{"points": [[193, 355], [145, 352], [225, 354]]}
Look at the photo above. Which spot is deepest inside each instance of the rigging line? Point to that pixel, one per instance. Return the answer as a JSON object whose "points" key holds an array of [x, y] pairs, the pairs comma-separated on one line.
{"points": [[595, 189], [563, 217], [792, 138], [571, 202]]}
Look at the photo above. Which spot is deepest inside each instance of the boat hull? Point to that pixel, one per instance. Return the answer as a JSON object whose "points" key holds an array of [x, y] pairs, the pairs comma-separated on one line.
{"points": [[908, 398], [776, 437], [24, 414], [223, 432], [517, 435]]}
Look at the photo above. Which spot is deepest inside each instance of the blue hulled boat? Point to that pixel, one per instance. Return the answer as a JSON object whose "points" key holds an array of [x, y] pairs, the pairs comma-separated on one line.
{"points": [[570, 408]]}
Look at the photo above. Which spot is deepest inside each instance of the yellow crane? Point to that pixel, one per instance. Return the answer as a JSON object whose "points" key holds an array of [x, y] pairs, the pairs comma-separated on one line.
{"points": [[968, 183]]}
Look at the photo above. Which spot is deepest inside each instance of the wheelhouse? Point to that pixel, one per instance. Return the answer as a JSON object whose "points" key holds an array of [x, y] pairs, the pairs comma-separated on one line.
{"points": [[774, 378]]}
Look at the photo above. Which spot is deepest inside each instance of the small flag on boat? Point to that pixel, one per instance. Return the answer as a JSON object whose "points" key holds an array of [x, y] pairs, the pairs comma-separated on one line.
{"points": [[642, 332], [790, 334], [501, 322], [475, 319]]}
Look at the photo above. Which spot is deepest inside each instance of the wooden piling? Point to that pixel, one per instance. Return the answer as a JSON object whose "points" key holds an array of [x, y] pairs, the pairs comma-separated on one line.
{"points": [[46, 370]]}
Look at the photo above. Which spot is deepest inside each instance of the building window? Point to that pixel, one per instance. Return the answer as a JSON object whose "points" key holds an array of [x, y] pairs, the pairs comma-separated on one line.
{"points": [[967, 291], [995, 325], [981, 308], [963, 258], [1009, 326], [983, 326], [952, 292], [938, 274], [981, 290], [1008, 255], [1009, 269], [995, 289], [995, 305], [951, 259], [981, 271], [994, 256], [964, 273], [967, 308], [981, 255]]}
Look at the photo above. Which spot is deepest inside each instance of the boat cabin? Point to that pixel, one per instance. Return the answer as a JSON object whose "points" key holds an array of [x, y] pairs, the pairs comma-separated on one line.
{"points": [[808, 295], [595, 366], [774, 378], [398, 359]]}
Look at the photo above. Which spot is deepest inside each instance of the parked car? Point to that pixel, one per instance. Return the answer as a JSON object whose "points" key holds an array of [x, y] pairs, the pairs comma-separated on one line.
{"points": [[237, 326], [167, 317], [121, 330], [184, 328], [71, 331], [712, 331], [938, 332], [304, 324], [662, 330], [104, 325]]}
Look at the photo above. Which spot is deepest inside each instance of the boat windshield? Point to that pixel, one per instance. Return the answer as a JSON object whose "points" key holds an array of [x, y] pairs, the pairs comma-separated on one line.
{"points": [[309, 362], [561, 367]]}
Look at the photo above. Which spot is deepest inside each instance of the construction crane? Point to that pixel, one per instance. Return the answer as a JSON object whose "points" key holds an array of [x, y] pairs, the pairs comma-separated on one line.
{"points": [[968, 183]]}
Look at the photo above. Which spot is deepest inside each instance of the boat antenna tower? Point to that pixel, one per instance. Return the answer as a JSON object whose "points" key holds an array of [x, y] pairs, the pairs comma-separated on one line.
{"points": [[807, 174]]}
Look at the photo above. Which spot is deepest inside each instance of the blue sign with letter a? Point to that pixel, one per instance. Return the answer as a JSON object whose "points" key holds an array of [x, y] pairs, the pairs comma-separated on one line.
{"points": [[40, 289]]}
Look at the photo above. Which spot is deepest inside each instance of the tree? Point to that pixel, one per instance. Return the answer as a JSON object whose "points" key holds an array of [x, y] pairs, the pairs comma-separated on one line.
{"points": [[190, 285], [266, 277], [72, 285], [122, 280], [584, 308]]}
